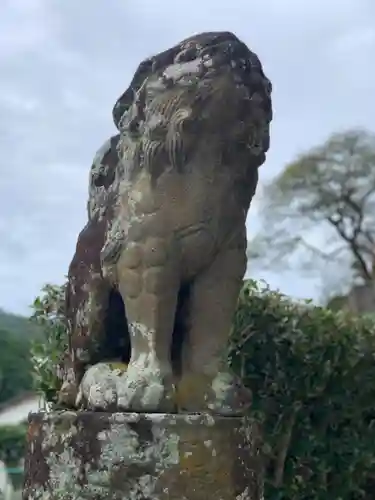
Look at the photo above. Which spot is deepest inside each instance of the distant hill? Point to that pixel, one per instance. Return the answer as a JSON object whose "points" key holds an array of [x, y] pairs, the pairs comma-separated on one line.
{"points": [[19, 326], [16, 333]]}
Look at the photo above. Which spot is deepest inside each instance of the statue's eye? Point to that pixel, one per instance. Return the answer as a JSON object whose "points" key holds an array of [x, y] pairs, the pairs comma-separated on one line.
{"points": [[134, 126]]}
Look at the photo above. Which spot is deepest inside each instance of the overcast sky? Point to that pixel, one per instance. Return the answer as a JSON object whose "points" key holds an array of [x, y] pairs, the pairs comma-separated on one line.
{"points": [[63, 63]]}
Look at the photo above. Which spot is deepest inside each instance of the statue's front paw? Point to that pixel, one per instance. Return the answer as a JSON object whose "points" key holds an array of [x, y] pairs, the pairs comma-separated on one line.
{"points": [[146, 387], [98, 389]]}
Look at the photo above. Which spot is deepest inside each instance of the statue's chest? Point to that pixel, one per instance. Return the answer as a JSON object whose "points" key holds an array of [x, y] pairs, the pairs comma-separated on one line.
{"points": [[193, 220], [182, 203]]}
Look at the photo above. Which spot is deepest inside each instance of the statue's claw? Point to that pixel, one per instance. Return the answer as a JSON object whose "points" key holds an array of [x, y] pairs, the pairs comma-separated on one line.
{"points": [[146, 387], [111, 387]]}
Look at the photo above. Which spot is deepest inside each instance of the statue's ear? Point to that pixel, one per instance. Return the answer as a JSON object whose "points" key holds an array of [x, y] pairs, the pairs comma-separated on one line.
{"points": [[147, 67], [124, 102]]}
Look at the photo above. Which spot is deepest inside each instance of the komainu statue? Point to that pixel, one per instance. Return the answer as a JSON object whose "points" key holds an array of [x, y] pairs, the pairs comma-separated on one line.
{"points": [[159, 265]]}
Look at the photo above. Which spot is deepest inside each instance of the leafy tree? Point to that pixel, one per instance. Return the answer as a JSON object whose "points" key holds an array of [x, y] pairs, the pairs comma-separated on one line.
{"points": [[12, 451], [321, 209], [18, 326], [16, 334], [15, 366], [12, 443]]}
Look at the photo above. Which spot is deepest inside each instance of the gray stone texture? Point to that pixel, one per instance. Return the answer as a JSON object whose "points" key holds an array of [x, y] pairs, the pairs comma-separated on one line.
{"points": [[100, 456]]}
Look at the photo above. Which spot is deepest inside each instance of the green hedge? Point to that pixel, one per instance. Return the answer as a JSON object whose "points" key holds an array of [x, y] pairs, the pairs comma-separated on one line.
{"points": [[12, 450], [12, 444], [312, 373]]}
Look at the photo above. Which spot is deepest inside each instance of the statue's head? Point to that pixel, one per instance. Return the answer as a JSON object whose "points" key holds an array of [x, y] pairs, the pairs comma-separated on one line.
{"points": [[208, 92]]}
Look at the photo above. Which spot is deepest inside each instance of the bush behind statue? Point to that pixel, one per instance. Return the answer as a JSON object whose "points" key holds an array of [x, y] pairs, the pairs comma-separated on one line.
{"points": [[311, 371], [47, 352], [12, 451]]}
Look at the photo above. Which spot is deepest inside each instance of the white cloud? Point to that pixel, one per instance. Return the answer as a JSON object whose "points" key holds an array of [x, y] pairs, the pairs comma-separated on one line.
{"points": [[352, 41], [24, 24]]}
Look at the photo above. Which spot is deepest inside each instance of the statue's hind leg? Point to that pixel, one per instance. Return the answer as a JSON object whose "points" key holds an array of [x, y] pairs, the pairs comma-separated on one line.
{"points": [[148, 282], [207, 384], [86, 302], [86, 312]]}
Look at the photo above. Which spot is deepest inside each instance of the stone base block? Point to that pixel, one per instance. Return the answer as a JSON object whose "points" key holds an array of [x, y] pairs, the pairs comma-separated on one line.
{"points": [[97, 456]]}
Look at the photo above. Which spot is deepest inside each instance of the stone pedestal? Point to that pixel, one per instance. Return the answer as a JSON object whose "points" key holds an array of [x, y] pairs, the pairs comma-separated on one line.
{"points": [[97, 456]]}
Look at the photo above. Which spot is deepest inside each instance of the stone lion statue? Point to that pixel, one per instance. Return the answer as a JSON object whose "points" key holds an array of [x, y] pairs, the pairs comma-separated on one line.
{"points": [[157, 270]]}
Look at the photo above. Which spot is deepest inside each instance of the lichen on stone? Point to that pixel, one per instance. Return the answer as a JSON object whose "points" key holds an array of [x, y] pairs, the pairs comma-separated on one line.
{"points": [[93, 455]]}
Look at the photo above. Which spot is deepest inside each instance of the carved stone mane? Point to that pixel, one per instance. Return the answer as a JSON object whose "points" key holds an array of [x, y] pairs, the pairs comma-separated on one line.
{"points": [[176, 97]]}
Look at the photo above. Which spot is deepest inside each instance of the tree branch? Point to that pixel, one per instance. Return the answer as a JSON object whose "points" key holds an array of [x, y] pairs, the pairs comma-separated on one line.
{"points": [[283, 449], [351, 240]]}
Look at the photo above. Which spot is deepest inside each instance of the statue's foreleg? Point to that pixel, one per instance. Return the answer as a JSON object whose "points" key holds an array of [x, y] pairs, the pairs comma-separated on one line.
{"points": [[207, 383], [149, 282]]}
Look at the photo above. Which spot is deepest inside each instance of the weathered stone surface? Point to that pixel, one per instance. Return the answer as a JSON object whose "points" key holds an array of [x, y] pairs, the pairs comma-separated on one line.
{"points": [[97, 456], [159, 265]]}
